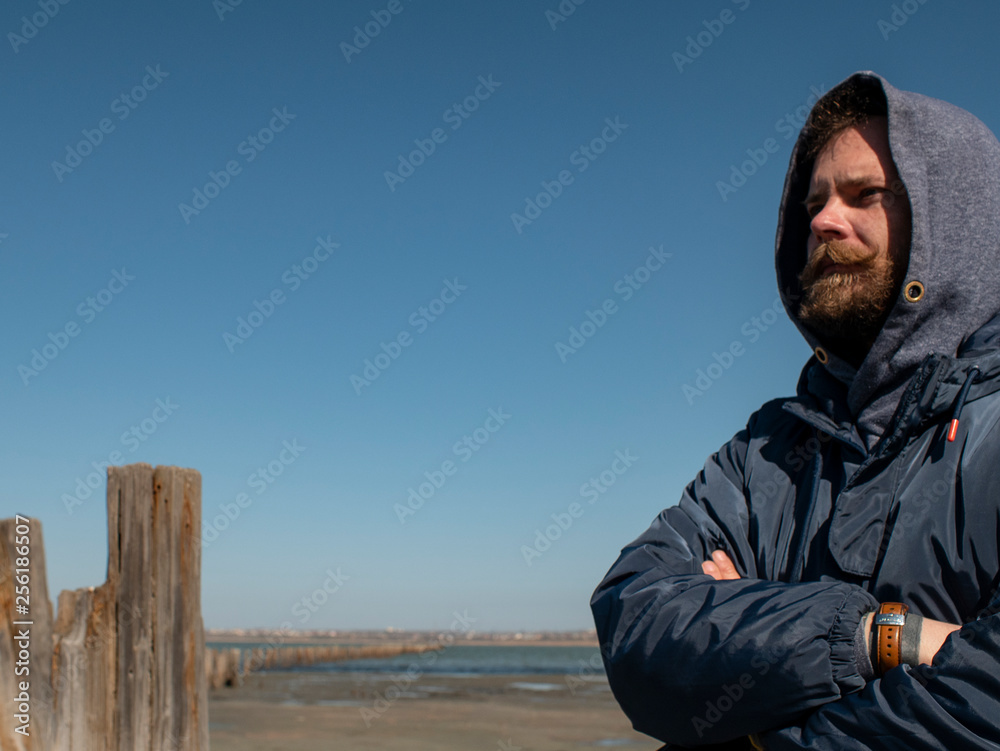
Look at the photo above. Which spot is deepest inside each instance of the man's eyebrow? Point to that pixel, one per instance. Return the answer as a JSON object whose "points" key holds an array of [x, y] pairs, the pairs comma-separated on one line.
{"points": [[849, 182]]}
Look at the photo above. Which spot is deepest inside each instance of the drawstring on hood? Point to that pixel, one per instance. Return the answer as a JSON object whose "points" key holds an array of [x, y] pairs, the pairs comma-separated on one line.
{"points": [[949, 163], [960, 402]]}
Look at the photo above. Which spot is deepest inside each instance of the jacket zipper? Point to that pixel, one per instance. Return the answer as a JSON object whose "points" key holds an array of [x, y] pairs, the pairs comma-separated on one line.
{"points": [[798, 560]]}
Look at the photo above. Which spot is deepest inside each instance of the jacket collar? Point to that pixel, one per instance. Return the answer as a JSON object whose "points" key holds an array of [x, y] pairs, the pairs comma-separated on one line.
{"points": [[933, 391]]}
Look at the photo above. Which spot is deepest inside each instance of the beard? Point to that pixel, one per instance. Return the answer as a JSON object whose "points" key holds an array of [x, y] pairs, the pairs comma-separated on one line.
{"points": [[849, 308]]}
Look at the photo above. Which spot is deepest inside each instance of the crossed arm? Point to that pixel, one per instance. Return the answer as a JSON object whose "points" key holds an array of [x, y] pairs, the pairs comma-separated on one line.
{"points": [[932, 634], [698, 655], [706, 658]]}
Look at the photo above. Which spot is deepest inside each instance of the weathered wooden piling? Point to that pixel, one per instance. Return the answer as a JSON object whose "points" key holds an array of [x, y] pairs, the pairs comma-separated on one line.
{"points": [[126, 658], [14, 533]]}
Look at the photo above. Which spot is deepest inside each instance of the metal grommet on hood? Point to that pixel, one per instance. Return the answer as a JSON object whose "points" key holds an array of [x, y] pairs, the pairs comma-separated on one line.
{"points": [[914, 291], [821, 355]]}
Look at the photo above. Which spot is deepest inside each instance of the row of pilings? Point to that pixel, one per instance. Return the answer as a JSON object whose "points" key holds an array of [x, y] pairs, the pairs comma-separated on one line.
{"points": [[228, 667]]}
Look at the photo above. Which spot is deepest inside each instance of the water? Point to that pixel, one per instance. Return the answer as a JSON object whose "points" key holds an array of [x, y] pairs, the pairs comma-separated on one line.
{"points": [[478, 660], [472, 660]]}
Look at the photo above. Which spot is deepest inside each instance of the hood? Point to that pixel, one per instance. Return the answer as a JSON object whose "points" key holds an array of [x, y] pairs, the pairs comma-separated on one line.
{"points": [[949, 162]]}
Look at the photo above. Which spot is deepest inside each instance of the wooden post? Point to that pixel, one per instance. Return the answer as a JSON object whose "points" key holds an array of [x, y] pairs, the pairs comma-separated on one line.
{"points": [[128, 656], [39, 675], [162, 694], [83, 670]]}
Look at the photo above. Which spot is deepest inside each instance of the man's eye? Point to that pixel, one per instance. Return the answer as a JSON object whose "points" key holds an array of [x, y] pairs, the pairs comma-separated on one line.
{"points": [[868, 192]]}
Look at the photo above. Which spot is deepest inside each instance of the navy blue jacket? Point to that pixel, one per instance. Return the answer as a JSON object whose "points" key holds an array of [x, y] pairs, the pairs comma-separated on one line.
{"points": [[844, 496]]}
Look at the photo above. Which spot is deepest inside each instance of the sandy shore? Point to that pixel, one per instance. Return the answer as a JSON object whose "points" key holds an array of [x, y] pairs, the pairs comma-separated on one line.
{"points": [[307, 711]]}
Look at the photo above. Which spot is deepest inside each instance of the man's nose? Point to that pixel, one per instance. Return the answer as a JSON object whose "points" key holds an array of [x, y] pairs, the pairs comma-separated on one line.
{"points": [[830, 223]]}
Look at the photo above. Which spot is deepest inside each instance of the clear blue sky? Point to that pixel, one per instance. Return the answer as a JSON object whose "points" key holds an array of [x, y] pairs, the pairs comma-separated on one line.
{"points": [[281, 145]]}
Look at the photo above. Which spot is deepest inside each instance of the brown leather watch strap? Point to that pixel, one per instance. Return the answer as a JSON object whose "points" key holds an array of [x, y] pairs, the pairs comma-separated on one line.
{"points": [[888, 624]]}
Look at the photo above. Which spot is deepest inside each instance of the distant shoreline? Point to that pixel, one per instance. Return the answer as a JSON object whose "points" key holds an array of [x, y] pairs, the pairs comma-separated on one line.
{"points": [[522, 638]]}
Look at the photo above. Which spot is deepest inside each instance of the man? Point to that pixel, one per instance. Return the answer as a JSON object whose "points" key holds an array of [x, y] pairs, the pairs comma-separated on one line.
{"points": [[745, 617]]}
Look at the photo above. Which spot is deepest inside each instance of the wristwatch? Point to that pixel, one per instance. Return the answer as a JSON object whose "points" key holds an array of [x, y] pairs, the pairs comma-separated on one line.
{"points": [[887, 636]]}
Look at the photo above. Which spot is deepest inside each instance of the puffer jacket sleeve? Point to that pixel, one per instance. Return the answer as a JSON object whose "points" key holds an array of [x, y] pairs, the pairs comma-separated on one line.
{"points": [[952, 704], [696, 662]]}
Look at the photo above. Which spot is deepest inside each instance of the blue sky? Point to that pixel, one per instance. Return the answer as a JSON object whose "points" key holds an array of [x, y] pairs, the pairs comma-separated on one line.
{"points": [[327, 267]]}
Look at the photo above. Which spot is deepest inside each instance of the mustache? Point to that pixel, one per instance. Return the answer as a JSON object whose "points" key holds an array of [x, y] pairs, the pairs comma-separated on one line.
{"points": [[836, 252]]}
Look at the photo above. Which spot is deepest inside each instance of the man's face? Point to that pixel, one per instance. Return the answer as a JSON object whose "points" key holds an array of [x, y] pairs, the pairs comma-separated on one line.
{"points": [[859, 243]]}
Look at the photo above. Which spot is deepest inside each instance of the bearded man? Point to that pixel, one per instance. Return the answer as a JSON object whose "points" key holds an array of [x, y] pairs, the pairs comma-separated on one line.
{"points": [[829, 580]]}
